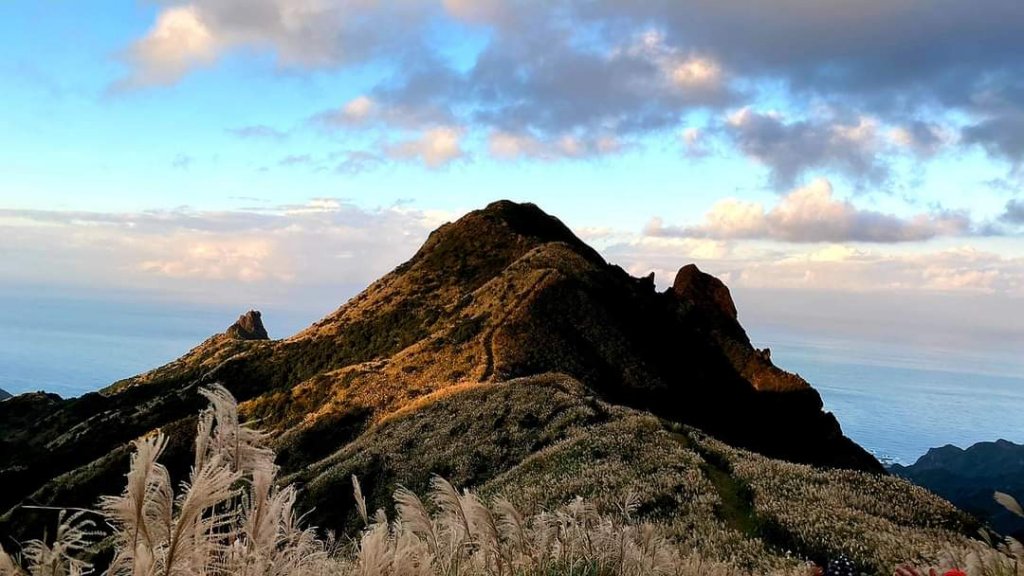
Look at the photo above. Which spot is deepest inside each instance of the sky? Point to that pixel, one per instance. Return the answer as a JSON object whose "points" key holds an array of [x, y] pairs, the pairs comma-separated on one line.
{"points": [[865, 157]]}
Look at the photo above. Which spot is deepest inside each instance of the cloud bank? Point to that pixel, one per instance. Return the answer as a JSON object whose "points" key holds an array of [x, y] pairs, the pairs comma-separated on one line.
{"points": [[206, 254], [813, 214]]}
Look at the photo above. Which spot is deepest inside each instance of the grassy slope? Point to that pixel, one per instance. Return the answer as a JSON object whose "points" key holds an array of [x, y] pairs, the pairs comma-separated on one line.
{"points": [[544, 440]]}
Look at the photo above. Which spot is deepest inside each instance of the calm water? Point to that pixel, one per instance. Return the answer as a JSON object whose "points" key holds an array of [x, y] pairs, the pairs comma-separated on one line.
{"points": [[899, 401], [896, 402], [75, 346]]}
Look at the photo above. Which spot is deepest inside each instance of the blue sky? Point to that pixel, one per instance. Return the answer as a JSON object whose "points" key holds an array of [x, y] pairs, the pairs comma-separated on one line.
{"points": [[214, 149]]}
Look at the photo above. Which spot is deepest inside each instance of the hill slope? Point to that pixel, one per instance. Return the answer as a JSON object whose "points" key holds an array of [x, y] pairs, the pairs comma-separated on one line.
{"points": [[968, 478], [504, 293], [543, 440]]}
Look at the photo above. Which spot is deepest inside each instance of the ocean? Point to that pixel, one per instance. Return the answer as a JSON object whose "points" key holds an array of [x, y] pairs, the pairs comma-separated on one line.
{"points": [[896, 401], [899, 401], [73, 346]]}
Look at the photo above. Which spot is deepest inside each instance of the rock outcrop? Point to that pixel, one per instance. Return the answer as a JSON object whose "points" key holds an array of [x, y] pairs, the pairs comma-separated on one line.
{"points": [[249, 326]]}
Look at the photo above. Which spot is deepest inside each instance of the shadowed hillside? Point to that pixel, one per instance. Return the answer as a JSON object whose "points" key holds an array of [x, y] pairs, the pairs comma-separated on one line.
{"points": [[968, 478], [504, 293]]}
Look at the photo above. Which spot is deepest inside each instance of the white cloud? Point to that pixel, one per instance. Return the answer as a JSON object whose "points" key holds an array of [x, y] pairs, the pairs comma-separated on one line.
{"points": [[298, 33], [813, 214], [953, 270], [694, 141], [358, 109], [693, 75], [435, 148], [515, 146], [177, 43], [214, 258]]}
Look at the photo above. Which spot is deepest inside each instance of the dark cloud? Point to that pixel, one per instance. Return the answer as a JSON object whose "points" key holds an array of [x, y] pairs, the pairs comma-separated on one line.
{"points": [[587, 69], [1002, 136], [543, 83], [1014, 213], [640, 84], [849, 147], [924, 139], [868, 48]]}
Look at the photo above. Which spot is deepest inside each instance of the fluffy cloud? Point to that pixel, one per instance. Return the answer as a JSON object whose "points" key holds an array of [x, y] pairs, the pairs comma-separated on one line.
{"points": [[178, 42], [434, 148], [813, 214], [298, 33], [539, 78]]}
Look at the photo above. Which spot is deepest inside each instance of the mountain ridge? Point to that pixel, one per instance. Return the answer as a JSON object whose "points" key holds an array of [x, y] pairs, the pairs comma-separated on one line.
{"points": [[504, 293], [968, 477]]}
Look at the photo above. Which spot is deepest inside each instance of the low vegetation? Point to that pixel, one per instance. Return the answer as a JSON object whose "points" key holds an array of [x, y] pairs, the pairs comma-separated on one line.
{"points": [[702, 508]]}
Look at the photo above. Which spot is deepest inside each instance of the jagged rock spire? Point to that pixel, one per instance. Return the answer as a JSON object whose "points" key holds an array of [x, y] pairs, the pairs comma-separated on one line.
{"points": [[249, 326]]}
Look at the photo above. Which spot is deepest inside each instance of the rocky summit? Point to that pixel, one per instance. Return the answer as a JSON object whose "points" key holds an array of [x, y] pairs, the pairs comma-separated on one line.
{"points": [[504, 353], [249, 326]]}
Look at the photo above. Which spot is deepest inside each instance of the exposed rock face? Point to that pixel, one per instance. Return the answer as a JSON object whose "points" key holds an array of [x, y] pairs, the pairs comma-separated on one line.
{"points": [[504, 292], [711, 306], [4, 394], [968, 478], [249, 326], [704, 291]]}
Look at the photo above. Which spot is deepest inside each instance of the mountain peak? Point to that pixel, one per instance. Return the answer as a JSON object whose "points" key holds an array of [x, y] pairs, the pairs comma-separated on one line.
{"points": [[478, 246], [249, 326], [504, 293], [527, 219], [704, 290], [513, 223]]}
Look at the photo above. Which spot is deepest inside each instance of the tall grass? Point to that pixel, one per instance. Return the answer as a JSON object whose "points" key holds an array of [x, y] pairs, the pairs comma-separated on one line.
{"points": [[231, 517]]}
